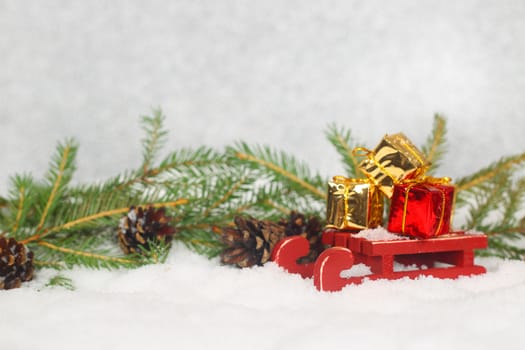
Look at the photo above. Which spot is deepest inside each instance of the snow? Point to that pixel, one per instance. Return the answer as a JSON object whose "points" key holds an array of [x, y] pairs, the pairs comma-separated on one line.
{"points": [[192, 302], [379, 234], [274, 72]]}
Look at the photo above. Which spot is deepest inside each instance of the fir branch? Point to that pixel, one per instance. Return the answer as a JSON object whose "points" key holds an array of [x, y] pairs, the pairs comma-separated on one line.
{"points": [[204, 242], [184, 162], [192, 162], [489, 172], [20, 209], [90, 201], [341, 139], [227, 196], [83, 254], [486, 200], [60, 173], [514, 201], [493, 207], [501, 246], [157, 253], [96, 216], [279, 207], [435, 145], [50, 264], [216, 202], [155, 137], [283, 167], [112, 212], [61, 281], [21, 201]]}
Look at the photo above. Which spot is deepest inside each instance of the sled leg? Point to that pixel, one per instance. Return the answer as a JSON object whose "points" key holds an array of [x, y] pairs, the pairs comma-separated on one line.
{"points": [[286, 253], [328, 268]]}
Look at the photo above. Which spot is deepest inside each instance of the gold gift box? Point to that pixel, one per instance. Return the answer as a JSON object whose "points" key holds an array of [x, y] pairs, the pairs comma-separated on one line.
{"points": [[353, 204], [394, 159]]}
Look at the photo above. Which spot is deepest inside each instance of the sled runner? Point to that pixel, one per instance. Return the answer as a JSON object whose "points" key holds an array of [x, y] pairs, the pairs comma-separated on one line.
{"points": [[445, 256]]}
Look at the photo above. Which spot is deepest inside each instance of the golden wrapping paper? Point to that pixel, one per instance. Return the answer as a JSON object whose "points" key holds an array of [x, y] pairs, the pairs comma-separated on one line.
{"points": [[393, 160], [353, 204]]}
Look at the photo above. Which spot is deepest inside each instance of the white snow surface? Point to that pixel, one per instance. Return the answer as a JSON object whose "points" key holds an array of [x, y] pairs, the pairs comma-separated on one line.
{"points": [[379, 234], [193, 303], [273, 72]]}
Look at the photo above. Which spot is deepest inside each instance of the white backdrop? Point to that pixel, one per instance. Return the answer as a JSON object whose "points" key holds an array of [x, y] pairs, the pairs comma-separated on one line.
{"points": [[274, 72]]}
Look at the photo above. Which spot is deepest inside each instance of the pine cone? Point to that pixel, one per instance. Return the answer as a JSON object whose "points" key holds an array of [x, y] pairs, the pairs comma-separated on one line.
{"points": [[140, 227], [251, 243], [16, 263], [296, 225]]}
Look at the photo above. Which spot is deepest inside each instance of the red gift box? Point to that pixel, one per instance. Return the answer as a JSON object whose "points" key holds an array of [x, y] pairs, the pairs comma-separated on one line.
{"points": [[421, 209]]}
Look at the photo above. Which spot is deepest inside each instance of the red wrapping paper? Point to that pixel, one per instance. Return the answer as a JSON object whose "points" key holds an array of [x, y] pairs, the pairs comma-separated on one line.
{"points": [[421, 210]]}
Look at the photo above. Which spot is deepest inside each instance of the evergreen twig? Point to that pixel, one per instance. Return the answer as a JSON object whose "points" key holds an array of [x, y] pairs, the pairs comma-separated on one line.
{"points": [[489, 172], [341, 139], [84, 254], [60, 174], [282, 167], [435, 145], [60, 281], [155, 137]]}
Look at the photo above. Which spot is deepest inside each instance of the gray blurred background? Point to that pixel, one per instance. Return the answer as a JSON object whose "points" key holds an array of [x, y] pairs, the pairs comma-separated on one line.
{"points": [[273, 72]]}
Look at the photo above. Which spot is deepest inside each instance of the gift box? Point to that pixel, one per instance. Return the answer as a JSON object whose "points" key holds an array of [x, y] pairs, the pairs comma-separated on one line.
{"points": [[353, 204], [421, 209], [393, 160]]}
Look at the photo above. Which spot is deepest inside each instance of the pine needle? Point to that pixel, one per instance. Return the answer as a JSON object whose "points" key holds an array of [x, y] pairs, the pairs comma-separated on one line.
{"points": [[61, 281], [85, 254], [225, 197], [341, 139], [20, 209], [435, 145], [489, 172], [60, 169], [282, 165], [155, 137]]}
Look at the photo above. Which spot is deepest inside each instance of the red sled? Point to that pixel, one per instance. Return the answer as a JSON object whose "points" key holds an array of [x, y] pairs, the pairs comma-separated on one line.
{"points": [[445, 256]]}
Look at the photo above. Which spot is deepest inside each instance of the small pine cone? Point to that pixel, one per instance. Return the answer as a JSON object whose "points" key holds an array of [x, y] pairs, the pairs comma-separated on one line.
{"points": [[310, 229], [251, 242], [16, 263], [140, 227]]}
